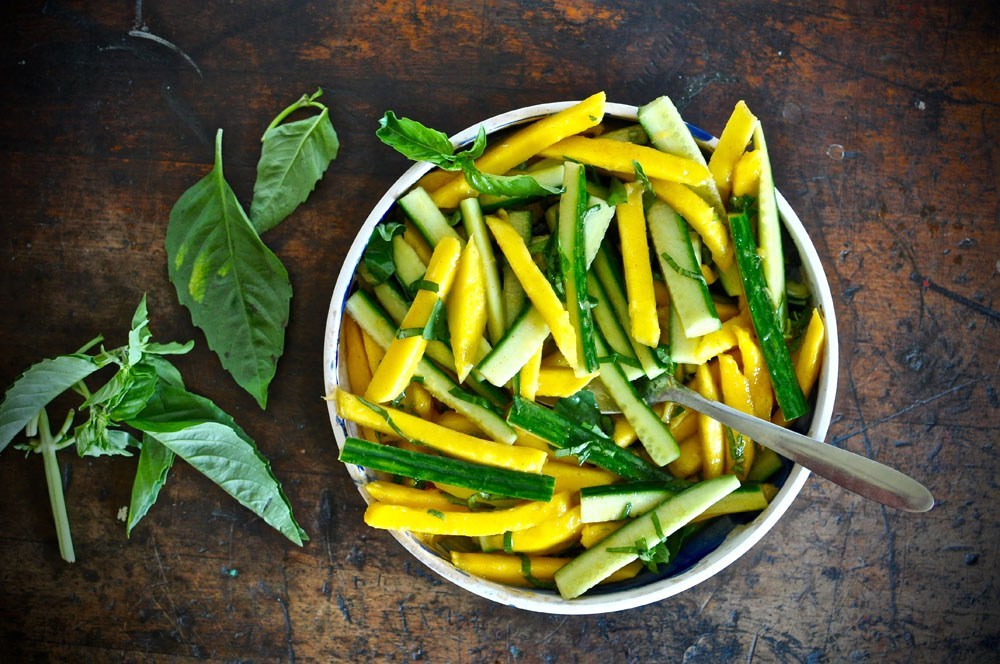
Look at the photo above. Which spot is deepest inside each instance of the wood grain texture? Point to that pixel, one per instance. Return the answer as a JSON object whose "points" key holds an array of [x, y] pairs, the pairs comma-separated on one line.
{"points": [[882, 119]]}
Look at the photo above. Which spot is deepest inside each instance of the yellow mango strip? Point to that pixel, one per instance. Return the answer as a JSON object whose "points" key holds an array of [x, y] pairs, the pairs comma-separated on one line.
{"points": [[624, 434], [358, 370], [746, 174], [757, 375], [459, 492], [684, 425], [426, 499], [720, 341], [689, 462], [437, 437], [726, 310], [661, 294], [467, 310], [469, 524], [617, 157], [435, 179], [593, 533], [713, 447], [732, 143], [419, 401], [417, 242], [561, 381], [529, 375], [536, 286], [809, 356], [638, 269], [736, 394], [708, 273], [544, 539], [512, 570], [458, 422], [374, 352], [572, 478], [702, 217], [524, 144], [403, 355]]}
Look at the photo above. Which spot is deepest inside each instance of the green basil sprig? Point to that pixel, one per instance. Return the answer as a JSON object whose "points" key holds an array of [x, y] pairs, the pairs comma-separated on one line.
{"points": [[145, 397], [420, 143]]}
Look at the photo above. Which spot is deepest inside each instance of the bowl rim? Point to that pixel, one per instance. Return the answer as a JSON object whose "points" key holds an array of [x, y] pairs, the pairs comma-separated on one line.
{"points": [[740, 540]]}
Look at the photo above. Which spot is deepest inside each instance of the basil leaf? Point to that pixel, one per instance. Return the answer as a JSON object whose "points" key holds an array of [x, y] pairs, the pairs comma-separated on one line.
{"points": [[380, 259], [155, 461], [616, 193], [236, 289], [95, 438], [167, 372], [172, 408], [417, 142], [218, 453], [505, 185], [292, 160], [170, 348], [582, 408], [478, 146], [436, 328], [36, 387], [133, 398], [640, 176]]}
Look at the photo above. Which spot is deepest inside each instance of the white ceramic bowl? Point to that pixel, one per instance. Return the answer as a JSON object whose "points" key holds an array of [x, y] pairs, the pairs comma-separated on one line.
{"points": [[736, 543]]}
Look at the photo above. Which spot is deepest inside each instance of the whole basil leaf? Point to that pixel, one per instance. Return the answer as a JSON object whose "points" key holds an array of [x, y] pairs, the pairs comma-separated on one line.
{"points": [[236, 289], [221, 455], [36, 387], [292, 160], [172, 408], [155, 461], [505, 185], [417, 142]]}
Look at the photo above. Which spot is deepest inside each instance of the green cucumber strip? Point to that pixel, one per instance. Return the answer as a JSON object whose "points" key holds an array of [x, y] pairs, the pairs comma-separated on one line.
{"points": [[564, 434], [597, 563], [766, 463], [431, 468], [682, 349], [409, 267], [747, 498], [596, 222], [475, 229], [610, 327], [682, 271], [572, 208], [765, 320], [769, 231], [613, 502], [669, 133], [628, 134], [513, 295], [426, 216], [651, 431], [526, 335], [374, 321], [613, 283]]}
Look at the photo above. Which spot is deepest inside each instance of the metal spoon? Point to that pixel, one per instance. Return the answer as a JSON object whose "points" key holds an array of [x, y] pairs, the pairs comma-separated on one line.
{"points": [[854, 472]]}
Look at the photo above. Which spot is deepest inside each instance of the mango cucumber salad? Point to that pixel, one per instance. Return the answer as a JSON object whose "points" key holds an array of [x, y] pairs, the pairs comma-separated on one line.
{"points": [[515, 284]]}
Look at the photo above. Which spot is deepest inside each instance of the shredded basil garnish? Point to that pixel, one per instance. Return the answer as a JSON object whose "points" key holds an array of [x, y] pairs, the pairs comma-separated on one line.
{"points": [[508, 541], [683, 271], [526, 573], [436, 514]]}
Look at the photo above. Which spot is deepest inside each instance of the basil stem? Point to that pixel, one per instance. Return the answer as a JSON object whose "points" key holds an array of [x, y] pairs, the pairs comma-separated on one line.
{"points": [[47, 448]]}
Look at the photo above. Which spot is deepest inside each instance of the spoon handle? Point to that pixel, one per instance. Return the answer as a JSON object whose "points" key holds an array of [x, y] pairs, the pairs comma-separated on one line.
{"points": [[854, 472]]}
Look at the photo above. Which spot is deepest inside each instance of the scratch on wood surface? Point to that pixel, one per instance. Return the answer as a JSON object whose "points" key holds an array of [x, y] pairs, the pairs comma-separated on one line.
{"points": [[927, 284]]}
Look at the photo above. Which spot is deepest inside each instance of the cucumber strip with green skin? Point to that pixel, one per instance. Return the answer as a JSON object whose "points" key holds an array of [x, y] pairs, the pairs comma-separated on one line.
{"points": [[526, 335], [475, 229], [427, 217], [613, 283], [682, 349], [682, 271], [614, 502], [766, 463], [431, 468], [610, 327], [765, 320], [377, 324], [572, 208], [409, 267], [596, 222], [651, 431], [564, 434], [769, 231], [513, 295], [396, 304], [612, 553], [669, 133]]}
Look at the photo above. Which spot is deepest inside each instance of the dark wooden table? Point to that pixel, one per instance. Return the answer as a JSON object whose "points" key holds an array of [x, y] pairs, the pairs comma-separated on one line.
{"points": [[883, 120]]}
